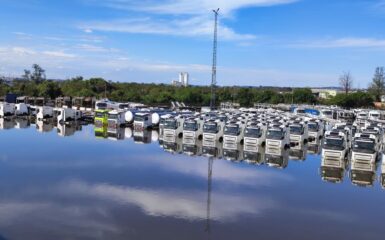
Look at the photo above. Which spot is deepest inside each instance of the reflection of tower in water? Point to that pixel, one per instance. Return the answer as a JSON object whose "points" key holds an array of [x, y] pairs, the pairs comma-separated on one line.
{"points": [[209, 184]]}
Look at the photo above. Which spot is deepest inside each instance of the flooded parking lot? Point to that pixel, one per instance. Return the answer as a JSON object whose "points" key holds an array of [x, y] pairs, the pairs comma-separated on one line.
{"points": [[72, 182]]}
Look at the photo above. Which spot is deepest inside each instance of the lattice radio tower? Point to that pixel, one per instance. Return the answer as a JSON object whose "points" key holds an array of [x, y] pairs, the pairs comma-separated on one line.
{"points": [[214, 69]]}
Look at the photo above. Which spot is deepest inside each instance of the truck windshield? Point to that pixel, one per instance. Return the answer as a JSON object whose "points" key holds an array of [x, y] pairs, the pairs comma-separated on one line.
{"points": [[313, 127], [138, 118], [100, 114], [334, 144], [210, 128], [232, 130], [190, 126], [300, 111], [275, 134], [170, 124], [123, 106], [327, 113], [296, 130], [113, 116], [364, 146], [253, 132], [101, 105]]}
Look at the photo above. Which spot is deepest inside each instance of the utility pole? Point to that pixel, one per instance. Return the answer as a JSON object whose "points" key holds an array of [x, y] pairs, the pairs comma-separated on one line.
{"points": [[214, 69]]}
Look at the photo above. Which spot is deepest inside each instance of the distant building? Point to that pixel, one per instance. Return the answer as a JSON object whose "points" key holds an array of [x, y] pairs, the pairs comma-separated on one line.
{"points": [[324, 93], [229, 105], [183, 80]]}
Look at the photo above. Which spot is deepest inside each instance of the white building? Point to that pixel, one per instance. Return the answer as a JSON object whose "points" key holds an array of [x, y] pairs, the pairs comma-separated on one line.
{"points": [[183, 80]]}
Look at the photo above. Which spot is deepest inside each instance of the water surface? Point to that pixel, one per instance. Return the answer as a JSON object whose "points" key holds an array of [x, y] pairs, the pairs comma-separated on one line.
{"points": [[82, 186]]}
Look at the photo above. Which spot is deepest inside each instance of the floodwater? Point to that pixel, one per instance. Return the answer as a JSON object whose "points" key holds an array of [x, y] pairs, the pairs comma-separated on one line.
{"points": [[72, 183]]}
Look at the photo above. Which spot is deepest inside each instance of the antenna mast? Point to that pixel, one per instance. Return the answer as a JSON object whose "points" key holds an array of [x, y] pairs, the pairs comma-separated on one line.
{"points": [[214, 69]]}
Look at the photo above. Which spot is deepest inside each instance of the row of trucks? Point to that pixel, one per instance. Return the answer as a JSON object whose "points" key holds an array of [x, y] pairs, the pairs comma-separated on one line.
{"points": [[9, 110], [250, 131], [362, 147]]}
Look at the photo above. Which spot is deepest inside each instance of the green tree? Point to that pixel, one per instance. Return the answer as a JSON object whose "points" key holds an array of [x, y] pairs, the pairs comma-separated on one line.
{"points": [[38, 74], [377, 87]]}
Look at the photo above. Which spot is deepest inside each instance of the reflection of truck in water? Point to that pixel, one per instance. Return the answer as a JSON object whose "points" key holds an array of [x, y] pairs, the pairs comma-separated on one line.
{"points": [[298, 152], [101, 132], [332, 174], [254, 156], [277, 157], [44, 125], [234, 154], [212, 149], [193, 148], [364, 177]]}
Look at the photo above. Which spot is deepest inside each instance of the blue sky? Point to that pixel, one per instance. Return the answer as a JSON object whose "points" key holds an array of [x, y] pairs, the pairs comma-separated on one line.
{"points": [[261, 42]]}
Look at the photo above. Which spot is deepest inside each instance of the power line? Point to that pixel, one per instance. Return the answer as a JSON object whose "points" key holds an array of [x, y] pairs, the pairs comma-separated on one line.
{"points": [[214, 68]]}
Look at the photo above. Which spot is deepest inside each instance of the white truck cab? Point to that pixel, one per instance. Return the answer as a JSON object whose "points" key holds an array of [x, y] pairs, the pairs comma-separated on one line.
{"points": [[233, 132], [277, 136], [142, 120], [315, 129], [44, 112], [335, 148], [365, 149], [116, 119], [21, 109], [213, 130], [173, 128], [192, 129], [68, 115], [7, 109], [374, 115], [254, 136], [298, 132]]}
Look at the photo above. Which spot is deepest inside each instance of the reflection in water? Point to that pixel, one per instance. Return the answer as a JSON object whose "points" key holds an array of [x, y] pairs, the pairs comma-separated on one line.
{"points": [[66, 130], [298, 151], [44, 126], [117, 133], [332, 174], [363, 175], [120, 190], [257, 156], [7, 123], [21, 123], [277, 157]]}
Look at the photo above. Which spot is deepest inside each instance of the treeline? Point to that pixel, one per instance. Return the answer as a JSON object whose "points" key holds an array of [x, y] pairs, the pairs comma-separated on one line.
{"points": [[34, 83]]}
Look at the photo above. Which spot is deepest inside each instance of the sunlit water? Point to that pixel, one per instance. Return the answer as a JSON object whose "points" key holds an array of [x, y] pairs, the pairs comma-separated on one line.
{"points": [[87, 187]]}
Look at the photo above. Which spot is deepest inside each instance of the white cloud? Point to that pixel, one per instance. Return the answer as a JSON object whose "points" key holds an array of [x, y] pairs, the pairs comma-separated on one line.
{"points": [[185, 204], [192, 27], [343, 43], [179, 7], [95, 48], [22, 51], [88, 30], [183, 17], [60, 54]]}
